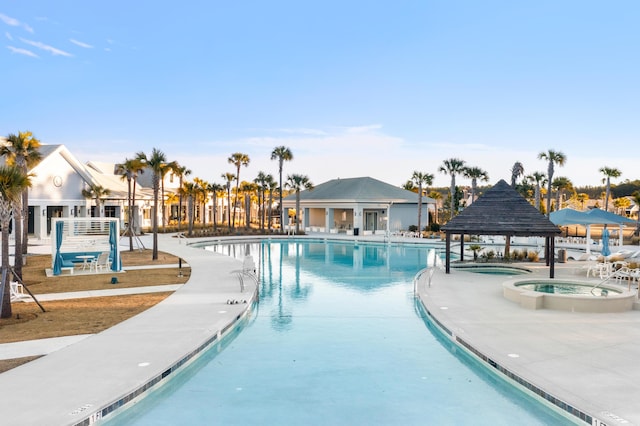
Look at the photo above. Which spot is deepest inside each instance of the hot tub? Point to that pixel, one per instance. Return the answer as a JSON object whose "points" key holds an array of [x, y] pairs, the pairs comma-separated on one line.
{"points": [[566, 295]]}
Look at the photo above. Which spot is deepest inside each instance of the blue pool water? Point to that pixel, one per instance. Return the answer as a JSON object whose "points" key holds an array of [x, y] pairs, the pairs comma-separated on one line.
{"points": [[336, 339]]}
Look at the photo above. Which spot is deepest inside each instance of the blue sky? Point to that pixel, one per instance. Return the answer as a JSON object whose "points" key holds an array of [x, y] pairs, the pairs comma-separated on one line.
{"points": [[353, 88]]}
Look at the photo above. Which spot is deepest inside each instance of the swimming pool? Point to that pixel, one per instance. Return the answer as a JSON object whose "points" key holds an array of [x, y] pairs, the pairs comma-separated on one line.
{"points": [[337, 339]]}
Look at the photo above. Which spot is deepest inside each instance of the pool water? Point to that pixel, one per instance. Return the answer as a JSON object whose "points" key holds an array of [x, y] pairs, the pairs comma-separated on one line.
{"points": [[494, 270], [568, 288], [337, 338]]}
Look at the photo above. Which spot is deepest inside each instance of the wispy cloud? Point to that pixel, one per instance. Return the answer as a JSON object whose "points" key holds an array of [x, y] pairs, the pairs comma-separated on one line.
{"points": [[22, 51], [54, 51], [8, 35], [9, 21], [363, 129], [81, 44], [14, 22], [302, 131]]}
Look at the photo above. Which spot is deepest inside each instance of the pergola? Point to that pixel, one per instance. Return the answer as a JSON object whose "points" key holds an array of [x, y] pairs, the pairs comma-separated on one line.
{"points": [[502, 211]]}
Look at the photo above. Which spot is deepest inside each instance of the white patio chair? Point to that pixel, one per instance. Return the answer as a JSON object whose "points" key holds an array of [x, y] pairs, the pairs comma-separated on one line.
{"points": [[101, 263], [16, 291]]}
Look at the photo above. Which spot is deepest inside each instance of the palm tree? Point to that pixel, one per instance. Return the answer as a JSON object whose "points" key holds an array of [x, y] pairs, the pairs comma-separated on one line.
{"points": [[13, 182], [297, 183], [516, 171], [164, 169], [238, 159], [261, 182], [475, 173], [553, 157], [129, 170], [540, 179], [189, 190], [636, 199], [22, 150], [248, 189], [582, 198], [609, 173], [155, 162], [271, 185], [282, 154], [435, 195], [215, 188], [228, 178], [561, 184], [452, 167], [421, 179], [621, 203], [181, 172], [97, 192]]}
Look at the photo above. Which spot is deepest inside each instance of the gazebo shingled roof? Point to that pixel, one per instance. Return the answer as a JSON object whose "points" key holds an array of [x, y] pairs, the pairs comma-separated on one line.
{"points": [[502, 211]]}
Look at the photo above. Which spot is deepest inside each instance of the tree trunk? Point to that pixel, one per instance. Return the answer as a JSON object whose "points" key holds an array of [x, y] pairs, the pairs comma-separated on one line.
{"points": [[17, 232], [6, 289]]}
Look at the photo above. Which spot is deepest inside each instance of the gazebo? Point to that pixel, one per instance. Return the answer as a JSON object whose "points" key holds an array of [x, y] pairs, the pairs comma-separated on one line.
{"points": [[502, 211]]}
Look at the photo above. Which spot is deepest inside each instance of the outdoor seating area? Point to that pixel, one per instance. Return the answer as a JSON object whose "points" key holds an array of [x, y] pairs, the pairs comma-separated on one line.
{"points": [[87, 245]]}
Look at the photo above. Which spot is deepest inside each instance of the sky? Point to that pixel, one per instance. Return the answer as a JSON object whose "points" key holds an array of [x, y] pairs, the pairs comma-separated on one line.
{"points": [[352, 88]]}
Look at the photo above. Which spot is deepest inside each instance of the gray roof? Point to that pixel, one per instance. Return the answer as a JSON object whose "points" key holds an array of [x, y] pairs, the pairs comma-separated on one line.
{"points": [[360, 189], [501, 211]]}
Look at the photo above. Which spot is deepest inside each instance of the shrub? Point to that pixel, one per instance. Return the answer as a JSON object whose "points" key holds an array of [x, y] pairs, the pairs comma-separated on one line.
{"points": [[533, 256]]}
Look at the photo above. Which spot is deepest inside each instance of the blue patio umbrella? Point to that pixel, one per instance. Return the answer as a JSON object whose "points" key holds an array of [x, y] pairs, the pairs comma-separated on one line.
{"points": [[605, 242], [113, 244], [57, 260]]}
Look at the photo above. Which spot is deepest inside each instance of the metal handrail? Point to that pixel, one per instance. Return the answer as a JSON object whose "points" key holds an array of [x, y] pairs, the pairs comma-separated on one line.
{"points": [[614, 274]]}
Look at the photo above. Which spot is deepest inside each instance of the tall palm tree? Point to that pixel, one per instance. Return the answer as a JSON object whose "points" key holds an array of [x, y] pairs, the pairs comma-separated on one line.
{"points": [[608, 172], [228, 178], [282, 154], [22, 150], [297, 183], [561, 184], [155, 162], [516, 171], [238, 159], [552, 157], [421, 179], [452, 167], [97, 192], [181, 172], [129, 170], [13, 182], [540, 179], [475, 173]]}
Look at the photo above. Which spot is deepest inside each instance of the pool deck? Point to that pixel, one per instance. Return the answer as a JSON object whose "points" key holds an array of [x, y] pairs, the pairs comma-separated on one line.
{"points": [[590, 361]]}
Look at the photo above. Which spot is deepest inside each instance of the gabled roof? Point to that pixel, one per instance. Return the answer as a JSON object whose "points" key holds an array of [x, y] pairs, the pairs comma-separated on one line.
{"points": [[501, 211], [362, 189]]}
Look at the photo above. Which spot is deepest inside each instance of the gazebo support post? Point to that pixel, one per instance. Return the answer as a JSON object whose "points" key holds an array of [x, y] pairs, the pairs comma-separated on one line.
{"points": [[551, 266], [447, 247], [461, 247]]}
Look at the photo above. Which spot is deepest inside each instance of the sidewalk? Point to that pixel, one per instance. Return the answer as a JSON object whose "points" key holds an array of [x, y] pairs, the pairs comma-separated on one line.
{"points": [[80, 382]]}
